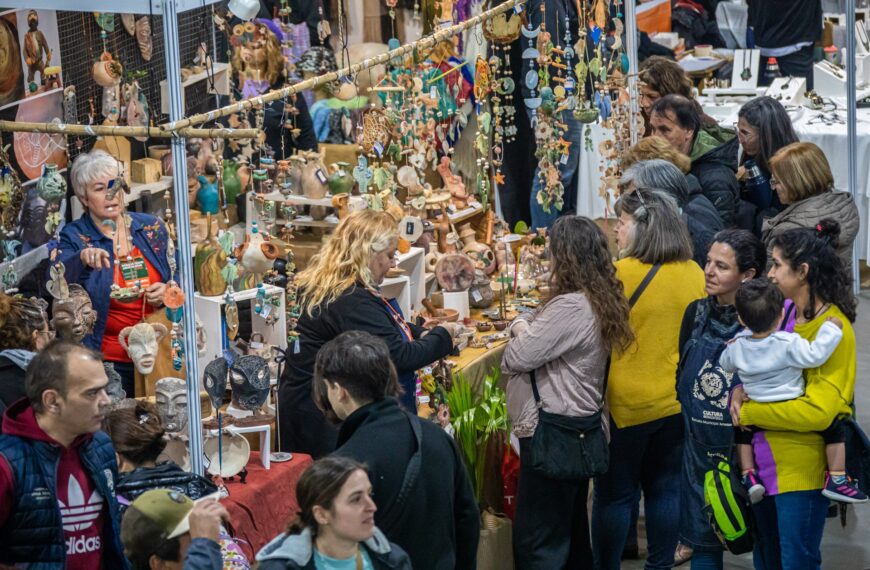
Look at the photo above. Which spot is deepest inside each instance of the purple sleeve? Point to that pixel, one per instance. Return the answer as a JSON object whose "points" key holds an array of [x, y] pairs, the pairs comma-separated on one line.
{"points": [[790, 316]]}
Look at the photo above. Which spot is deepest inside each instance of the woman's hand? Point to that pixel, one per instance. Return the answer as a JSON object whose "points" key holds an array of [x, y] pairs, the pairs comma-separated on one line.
{"points": [[95, 258], [738, 396], [452, 328], [154, 294]]}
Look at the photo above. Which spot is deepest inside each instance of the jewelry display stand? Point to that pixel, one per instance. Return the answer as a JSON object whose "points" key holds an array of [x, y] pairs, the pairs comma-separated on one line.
{"points": [[745, 74], [830, 80], [788, 90]]}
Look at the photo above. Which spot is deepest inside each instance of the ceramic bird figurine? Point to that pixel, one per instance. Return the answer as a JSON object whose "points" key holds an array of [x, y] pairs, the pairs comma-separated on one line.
{"points": [[256, 254]]}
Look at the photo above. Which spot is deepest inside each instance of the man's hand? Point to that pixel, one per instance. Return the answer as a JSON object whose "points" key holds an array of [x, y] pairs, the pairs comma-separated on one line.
{"points": [[205, 520]]}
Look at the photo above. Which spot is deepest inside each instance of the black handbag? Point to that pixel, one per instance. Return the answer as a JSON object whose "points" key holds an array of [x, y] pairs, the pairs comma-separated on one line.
{"points": [[569, 448]]}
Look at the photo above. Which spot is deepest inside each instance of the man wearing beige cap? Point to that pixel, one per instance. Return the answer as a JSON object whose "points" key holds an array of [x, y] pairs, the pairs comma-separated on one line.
{"points": [[165, 530]]}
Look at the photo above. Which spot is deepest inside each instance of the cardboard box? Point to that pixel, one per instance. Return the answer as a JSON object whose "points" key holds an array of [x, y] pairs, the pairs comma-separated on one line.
{"points": [[146, 170]]}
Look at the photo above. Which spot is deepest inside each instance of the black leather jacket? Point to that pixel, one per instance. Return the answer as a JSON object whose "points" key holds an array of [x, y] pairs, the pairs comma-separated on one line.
{"points": [[164, 476]]}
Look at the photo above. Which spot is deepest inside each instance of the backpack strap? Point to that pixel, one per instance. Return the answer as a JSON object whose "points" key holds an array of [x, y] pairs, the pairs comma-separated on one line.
{"points": [[643, 285], [412, 475]]}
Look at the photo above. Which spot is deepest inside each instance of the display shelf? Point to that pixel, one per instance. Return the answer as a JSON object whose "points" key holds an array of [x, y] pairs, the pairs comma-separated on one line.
{"points": [[413, 263], [398, 288], [219, 73], [465, 214], [114, 6], [210, 311], [265, 432], [329, 221]]}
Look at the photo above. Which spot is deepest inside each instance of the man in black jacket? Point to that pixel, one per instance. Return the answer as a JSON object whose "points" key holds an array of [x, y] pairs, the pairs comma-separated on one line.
{"points": [[714, 164], [422, 490], [787, 30]]}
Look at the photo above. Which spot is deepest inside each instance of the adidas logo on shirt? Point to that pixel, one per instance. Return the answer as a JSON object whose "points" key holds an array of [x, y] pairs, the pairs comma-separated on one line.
{"points": [[79, 514]]}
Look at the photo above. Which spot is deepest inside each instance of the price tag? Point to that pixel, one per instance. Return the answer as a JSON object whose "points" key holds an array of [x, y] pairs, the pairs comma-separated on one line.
{"points": [[564, 159], [475, 294], [321, 176], [423, 399], [133, 270], [205, 461], [296, 346], [267, 309]]}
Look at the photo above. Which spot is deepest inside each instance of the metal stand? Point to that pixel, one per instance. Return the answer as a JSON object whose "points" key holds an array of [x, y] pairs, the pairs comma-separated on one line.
{"points": [[631, 50], [851, 126]]}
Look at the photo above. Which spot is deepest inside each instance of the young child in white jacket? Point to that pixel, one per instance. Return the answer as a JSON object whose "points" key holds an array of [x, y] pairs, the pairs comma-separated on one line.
{"points": [[770, 363]]}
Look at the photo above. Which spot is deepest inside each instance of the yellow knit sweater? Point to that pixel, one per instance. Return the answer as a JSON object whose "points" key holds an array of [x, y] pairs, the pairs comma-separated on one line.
{"points": [[642, 383], [789, 455]]}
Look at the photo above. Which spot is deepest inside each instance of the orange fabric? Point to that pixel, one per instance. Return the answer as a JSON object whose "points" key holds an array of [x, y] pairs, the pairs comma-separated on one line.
{"points": [[655, 19], [125, 314]]}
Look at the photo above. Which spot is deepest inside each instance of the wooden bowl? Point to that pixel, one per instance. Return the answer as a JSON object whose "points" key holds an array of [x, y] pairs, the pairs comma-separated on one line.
{"points": [[443, 316]]}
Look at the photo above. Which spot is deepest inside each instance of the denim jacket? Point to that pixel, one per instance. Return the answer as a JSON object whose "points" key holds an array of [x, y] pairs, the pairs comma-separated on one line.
{"points": [[148, 233]]}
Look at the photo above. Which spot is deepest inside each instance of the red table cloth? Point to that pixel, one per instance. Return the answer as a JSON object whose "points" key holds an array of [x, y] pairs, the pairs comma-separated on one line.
{"points": [[262, 507]]}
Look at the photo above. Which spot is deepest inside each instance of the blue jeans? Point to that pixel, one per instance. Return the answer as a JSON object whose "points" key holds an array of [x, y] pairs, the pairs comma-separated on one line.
{"points": [[793, 524], [647, 457], [707, 560], [574, 134]]}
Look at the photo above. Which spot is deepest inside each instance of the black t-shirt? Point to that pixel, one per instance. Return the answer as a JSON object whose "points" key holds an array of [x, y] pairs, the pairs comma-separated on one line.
{"points": [[781, 23]]}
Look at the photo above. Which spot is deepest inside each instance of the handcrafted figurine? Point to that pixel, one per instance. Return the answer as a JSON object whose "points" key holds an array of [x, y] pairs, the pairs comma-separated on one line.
{"points": [[37, 53], [453, 184], [249, 378], [480, 253], [114, 389], [314, 176], [454, 272], [256, 255], [340, 181], [207, 196], [171, 400], [208, 264], [141, 343], [73, 317]]}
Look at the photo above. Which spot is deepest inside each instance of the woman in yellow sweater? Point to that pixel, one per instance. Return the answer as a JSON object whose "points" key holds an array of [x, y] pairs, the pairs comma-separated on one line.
{"points": [[646, 431], [790, 453]]}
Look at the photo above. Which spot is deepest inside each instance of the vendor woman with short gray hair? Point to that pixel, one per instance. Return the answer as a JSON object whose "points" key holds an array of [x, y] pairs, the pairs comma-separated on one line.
{"points": [[119, 257]]}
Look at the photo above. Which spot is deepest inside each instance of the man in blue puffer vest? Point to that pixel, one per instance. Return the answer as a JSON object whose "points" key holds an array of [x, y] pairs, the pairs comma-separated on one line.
{"points": [[57, 469]]}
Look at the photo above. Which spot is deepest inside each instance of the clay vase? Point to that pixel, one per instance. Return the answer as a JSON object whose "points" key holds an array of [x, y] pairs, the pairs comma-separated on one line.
{"points": [[340, 182], [431, 259], [297, 163], [481, 295], [208, 262], [480, 254], [232, 182], [107, 72], [314, 177], [52, 185], [207, 196], [256, 255]]}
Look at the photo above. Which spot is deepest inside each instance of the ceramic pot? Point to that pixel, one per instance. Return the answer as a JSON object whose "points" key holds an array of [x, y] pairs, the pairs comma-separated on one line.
{"points": [[257, 255], [481, 295], [107, 72], [341, 182], [207, 196], [314, 177], [208, 263], [297, 163], [480, 254], [52, 185], [232, 182]]}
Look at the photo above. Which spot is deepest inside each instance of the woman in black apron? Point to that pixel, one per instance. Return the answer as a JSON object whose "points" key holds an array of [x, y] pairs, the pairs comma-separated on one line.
{"points": [[703, 387]]}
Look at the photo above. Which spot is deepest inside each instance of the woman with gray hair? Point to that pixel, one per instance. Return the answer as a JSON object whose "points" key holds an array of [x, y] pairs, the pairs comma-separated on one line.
{"points": [[119, 257], [698, 212], [646, 430]]}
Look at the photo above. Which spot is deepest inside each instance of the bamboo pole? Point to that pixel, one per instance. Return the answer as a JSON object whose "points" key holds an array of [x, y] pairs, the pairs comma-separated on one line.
{"points": [[423, 43], [122, 131]]}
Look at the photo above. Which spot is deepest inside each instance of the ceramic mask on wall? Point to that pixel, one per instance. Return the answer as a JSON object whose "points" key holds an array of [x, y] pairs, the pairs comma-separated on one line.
{"points": [[250, 382], [171, 400], [74, 317], [141, 343]]}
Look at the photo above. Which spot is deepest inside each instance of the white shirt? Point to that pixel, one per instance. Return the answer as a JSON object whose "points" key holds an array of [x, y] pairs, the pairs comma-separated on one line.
{"points": [[771, 368]]}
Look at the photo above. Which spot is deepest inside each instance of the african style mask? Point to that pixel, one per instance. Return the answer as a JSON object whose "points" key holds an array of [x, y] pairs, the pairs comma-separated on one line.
{"points": [[215, 380], [171, 400], [141, 343], [250, 382], [73, 318]]}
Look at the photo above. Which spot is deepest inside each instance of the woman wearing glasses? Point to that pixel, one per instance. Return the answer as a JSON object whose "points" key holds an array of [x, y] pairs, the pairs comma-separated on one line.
{"points": [[763, 127], [23, 332], [338, 292], [646, 429], [802, 179]]}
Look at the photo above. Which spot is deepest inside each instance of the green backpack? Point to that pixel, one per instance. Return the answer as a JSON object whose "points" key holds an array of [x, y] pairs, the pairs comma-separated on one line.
{"points": [[728, 508]]}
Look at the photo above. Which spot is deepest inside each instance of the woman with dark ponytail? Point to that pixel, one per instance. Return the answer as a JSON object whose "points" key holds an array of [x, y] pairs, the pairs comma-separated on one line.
{"points": [[335, 527], [789, 451]]}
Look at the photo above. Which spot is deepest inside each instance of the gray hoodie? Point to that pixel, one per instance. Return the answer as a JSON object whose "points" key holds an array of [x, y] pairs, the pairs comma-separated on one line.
{"points": [[838, 206], [297, 551]]}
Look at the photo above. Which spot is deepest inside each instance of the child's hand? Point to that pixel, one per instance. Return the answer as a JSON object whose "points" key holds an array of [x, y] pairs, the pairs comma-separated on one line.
{"points": [[837, 322]]}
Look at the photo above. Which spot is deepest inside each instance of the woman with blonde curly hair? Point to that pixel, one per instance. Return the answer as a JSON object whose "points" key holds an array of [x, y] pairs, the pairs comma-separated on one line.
{"points": [[23, 332], [338, 292]]}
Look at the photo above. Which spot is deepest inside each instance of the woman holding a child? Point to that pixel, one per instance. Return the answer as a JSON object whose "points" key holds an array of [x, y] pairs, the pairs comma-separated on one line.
{"points": [[789, 450], [735, 256]]}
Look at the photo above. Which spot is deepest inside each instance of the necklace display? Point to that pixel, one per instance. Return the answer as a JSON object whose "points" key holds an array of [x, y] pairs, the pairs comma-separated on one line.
{"points": [[746, 74]]}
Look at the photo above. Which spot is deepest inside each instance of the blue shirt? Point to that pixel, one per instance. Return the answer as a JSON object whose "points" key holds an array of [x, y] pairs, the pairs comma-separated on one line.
{"points": [[323, 562]]}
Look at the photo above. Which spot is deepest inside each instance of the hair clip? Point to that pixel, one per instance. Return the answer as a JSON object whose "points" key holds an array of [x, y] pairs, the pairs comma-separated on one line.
{"points": [[144, 418]]}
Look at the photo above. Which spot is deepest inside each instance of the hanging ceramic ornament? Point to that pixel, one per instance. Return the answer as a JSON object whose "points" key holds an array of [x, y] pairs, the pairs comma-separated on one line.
{"points": [[57, 285], [129, 22], [70, 110], [363, 174], [105, 20], [137, 108], [231, 314], [143, 37]]}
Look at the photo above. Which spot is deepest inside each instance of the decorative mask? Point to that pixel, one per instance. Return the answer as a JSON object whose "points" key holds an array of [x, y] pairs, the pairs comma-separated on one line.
{"points": [[171, 400], [250, 382], [74, 317], [215, 380], [114, 389], [141, 343]]}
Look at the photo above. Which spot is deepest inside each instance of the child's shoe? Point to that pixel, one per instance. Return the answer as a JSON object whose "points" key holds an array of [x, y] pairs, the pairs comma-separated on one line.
{"points": [[843, 489], [753, 486]]}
